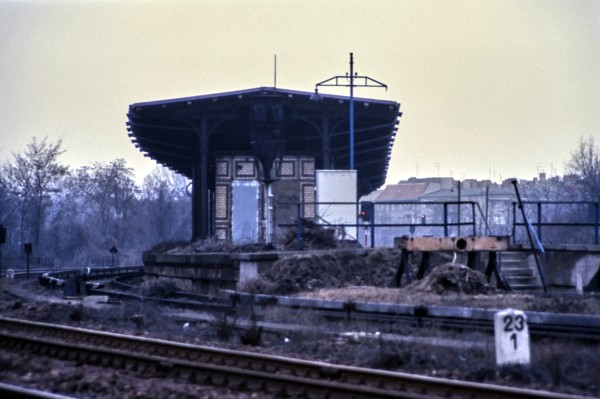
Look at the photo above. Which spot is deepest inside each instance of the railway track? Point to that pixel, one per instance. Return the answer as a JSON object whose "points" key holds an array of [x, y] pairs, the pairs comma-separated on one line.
{"points": [[574, 326], [569, 326], [246, 371], [19, 392]]}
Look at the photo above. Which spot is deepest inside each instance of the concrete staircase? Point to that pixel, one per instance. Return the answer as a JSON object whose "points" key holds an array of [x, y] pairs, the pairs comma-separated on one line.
{"points": [[518, 272]]}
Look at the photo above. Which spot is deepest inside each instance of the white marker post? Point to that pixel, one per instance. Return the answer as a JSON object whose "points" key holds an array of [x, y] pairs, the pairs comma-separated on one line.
{"points": [[579, 284], [512, 337]]}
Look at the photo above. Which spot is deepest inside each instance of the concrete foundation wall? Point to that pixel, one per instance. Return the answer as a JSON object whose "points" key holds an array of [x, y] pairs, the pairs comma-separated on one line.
{"points": [[206, 273], [252, 265], [562, 267], [203, 274]]}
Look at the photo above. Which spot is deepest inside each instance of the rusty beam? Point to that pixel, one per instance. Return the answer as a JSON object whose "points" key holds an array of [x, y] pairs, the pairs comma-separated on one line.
{"points": [[462, 244]]}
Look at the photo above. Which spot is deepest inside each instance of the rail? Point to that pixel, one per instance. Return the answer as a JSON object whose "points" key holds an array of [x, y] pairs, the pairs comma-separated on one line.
{"points": [[379, 222], [579, 217], [196, 364]]}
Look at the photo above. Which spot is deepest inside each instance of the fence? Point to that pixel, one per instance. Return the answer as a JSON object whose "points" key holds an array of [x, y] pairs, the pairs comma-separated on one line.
{"points": [[20, 262], [376, 224], [562, 222], [559, 222]]}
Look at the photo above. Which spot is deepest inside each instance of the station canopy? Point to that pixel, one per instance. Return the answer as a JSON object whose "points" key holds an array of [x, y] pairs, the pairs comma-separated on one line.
{"points": [[175, 132]]}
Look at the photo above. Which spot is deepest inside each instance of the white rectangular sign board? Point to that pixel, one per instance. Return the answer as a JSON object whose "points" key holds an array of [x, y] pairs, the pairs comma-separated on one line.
{"points": [[337, 186], [512, 337]]}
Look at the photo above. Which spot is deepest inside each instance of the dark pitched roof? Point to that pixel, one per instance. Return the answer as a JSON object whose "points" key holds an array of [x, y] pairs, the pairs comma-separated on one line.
{"points": [[167, 130]]}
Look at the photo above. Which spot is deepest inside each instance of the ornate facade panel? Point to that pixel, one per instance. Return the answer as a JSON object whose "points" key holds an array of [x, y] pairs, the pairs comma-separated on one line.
{"points": [[287, 168], [222, 169], [244, 168], [222, 201], [308, 168], [295, 184], [308, 199]]}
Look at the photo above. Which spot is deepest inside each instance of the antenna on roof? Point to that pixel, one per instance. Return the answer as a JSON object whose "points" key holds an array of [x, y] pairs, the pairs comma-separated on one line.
{"points": [[275, 74]]}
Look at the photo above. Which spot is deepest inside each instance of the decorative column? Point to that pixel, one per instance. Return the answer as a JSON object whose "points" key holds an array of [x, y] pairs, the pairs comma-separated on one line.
{"points": [[200, 185], [326, 140]]}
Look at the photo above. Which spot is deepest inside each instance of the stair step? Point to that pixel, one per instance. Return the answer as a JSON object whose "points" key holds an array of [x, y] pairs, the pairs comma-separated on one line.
{"points": [[515, 265], [520, 276], [513, 257], [517, 272], [520, 255], [529, 280]]}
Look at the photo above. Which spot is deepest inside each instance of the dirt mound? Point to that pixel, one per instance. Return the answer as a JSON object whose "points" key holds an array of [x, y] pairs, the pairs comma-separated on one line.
{"points": [[340, 268], [314, 237], [453, 278], [328, 269]]}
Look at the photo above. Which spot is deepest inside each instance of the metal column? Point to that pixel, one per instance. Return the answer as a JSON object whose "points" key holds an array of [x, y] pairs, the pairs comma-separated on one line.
{"points": [[200, 185]]}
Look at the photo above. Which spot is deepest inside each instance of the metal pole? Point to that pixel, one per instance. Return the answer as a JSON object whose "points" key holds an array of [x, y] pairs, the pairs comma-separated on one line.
{"points": [[473, 219], [269, 216], [487, 205], [530, 233], [373, 226], [539, 220], [445, 219], [351, 111], [299, 227], [326, 139], [335, 81], [203, 217], [596, 223], [458, 216], [514, 226]]}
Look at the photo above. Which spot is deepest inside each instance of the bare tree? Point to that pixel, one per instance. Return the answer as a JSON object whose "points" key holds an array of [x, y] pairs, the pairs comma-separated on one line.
{"points": [[585, 165], [73, 237], [5, 209], [166, 206], [8, 214], [33, 179], [105, 194]]}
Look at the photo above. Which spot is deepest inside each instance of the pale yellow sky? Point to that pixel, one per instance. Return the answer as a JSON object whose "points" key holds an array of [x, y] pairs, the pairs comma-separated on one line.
{"points": [[489, 89]]}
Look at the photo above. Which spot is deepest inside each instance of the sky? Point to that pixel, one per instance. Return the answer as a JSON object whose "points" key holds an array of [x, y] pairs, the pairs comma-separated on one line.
{"points": [[488, 89]]}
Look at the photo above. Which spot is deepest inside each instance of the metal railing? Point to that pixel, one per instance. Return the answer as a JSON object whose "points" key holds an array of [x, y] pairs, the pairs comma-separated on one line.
{"points": [[448, 218], [555, 222], [20, 262], [560, 221]]}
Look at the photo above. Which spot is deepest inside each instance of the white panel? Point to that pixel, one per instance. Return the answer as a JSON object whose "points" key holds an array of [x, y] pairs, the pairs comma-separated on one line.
{"points": [[337, 186], [511, 335], [245, 202]]}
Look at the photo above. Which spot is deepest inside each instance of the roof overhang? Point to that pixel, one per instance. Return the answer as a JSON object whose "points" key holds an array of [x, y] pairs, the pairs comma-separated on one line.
{"points": [[168, 130]]}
